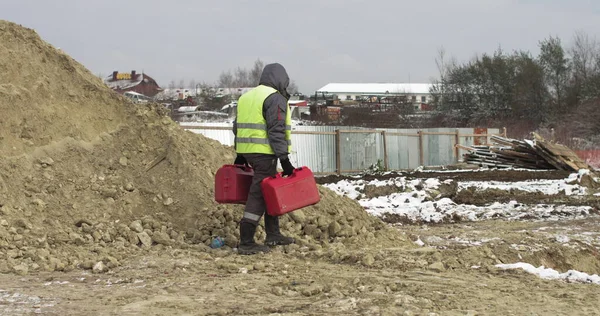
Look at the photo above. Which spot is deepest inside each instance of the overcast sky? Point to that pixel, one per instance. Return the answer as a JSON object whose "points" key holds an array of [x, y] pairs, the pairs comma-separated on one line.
{"points": [[318, 41]]}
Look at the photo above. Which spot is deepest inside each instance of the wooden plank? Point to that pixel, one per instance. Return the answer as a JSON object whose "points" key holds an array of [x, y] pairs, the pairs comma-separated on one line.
{"points": [[456, 144], [359, 131], [438, 133], [312, 133], [403, 134], [464, 147]]}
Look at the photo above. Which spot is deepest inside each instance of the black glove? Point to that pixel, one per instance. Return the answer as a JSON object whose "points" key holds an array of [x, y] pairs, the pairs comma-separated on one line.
{"points": [[288, 169], [240, 160]]}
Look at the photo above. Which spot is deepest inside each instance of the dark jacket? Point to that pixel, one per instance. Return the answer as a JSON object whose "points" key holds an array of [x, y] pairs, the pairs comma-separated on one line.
{"points": [[275, 108]]}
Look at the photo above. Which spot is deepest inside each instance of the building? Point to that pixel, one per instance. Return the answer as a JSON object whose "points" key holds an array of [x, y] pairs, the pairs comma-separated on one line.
{"points": [[176, 94], [418, 93], [132, 81]]}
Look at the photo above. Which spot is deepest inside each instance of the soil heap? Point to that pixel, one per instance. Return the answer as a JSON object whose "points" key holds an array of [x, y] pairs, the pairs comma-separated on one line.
{"points": [[88, 178]]}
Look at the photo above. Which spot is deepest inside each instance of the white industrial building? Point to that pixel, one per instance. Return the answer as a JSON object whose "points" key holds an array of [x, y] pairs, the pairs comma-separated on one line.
{"points": [[417, 92]]}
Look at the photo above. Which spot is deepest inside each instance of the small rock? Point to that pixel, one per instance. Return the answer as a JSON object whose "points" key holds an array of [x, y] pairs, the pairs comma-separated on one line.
{"points": [[21, 223], [168, 202], [277, 291], [437, 266], [129, 187], [56, 264], [99, 267], [46, 161], [334, 228], [88, 229], [368, 260], [298, 216], [38, 202], [161, 238], [112, 262], [145, 239], [182, 264], [123, 161], [260, 266], [312, 290], [136, 226], [109, 193], [4, 223], [21, 269]]}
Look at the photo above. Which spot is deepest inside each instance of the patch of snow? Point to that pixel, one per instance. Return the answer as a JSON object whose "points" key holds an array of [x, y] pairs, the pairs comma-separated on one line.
{"points": [[548, 187], [563, 239], [551, 274], [416, 203], [420, 242]]}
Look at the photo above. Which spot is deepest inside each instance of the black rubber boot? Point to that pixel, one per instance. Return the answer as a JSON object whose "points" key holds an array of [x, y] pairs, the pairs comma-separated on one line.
{"points": [[274, 236], [247, 245]]}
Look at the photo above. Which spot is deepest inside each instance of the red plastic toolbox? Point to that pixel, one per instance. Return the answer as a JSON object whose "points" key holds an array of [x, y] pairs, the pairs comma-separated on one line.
{"points": [[286, 194], [232, 184]]}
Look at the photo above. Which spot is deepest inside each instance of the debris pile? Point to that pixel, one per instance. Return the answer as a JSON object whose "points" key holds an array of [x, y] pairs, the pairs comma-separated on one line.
{"points": [[87, 176], [529, 154]]}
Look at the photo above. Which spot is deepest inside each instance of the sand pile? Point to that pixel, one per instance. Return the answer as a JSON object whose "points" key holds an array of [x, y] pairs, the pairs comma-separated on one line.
{"points": [[88, 179], [35, 75]]}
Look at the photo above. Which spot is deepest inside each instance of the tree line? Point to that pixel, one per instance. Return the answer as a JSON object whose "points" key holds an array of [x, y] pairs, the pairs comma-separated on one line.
{"points": [[559, 88], [236, 78]]}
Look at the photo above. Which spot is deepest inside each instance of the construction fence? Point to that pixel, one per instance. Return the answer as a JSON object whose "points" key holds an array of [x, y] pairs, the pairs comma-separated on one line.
{"points": [[346, 150]]}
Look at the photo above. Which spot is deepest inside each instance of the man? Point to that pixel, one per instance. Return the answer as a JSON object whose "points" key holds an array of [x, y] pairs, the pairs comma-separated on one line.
{"points": [[262, 130]]}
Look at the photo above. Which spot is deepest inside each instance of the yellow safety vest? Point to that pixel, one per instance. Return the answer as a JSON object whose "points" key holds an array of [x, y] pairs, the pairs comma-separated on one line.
{"points": [[252, 135]]}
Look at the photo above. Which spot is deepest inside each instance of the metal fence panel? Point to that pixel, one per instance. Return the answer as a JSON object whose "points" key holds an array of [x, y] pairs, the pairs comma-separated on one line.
{"points": [[359, 151]]}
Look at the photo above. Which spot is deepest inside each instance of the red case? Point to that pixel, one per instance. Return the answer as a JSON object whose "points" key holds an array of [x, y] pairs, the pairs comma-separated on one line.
{"points": [[286, 194], [232, 184]]}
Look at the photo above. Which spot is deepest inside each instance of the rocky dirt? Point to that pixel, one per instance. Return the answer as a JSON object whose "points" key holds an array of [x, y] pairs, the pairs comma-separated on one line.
{"points": [[106, 207]]}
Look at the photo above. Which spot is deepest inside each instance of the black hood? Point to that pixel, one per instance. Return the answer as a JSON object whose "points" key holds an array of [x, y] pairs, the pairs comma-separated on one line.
{"points": [[275, 76]]}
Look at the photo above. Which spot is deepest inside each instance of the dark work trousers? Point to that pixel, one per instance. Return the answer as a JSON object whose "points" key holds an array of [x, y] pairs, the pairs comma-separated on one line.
{"points": [[264, 166]]}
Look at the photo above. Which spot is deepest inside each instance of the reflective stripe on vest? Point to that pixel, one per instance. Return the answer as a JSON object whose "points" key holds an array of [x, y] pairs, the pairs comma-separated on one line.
{"points": [[252, 136]]}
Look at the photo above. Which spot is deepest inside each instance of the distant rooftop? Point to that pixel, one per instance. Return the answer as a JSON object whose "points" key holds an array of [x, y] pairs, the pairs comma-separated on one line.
{"points": [[376, 88]]}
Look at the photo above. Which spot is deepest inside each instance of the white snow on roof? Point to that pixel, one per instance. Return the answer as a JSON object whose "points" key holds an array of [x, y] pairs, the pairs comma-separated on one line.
{"points": [[123, 84], [377, 88]]}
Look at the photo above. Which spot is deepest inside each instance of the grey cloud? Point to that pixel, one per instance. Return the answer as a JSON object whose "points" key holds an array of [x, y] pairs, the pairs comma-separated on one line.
{"points": [[317, 41]]}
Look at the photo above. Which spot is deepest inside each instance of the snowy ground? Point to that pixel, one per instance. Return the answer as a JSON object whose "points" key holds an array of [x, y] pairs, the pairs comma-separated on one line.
{"points": [[551, 274], [420, 200], [425, 200]]}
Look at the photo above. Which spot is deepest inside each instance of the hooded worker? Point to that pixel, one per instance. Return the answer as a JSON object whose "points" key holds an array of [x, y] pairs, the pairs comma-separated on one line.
{"points": [[262, 130]]}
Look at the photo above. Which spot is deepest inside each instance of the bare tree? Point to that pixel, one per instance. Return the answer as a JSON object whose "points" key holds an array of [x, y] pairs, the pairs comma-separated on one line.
{"points": [[584, 54], [242, 77], [225, 80], [181, 84], [172, 84], [256, 72], [192, 84], [292, 88], [440, 63]]}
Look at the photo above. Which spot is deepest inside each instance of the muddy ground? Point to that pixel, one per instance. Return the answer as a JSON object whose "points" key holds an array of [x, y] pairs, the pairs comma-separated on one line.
{"points": [[107, 207], [448, 269], [452, 173], [452, 274]]}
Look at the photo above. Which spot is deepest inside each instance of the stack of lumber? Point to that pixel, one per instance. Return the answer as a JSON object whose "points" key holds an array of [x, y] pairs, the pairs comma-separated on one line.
{"points": [[527, 154]]}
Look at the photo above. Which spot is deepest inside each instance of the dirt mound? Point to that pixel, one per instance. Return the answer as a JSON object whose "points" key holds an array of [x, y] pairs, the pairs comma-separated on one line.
{"points": [[91, 179], [45, 95]]}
